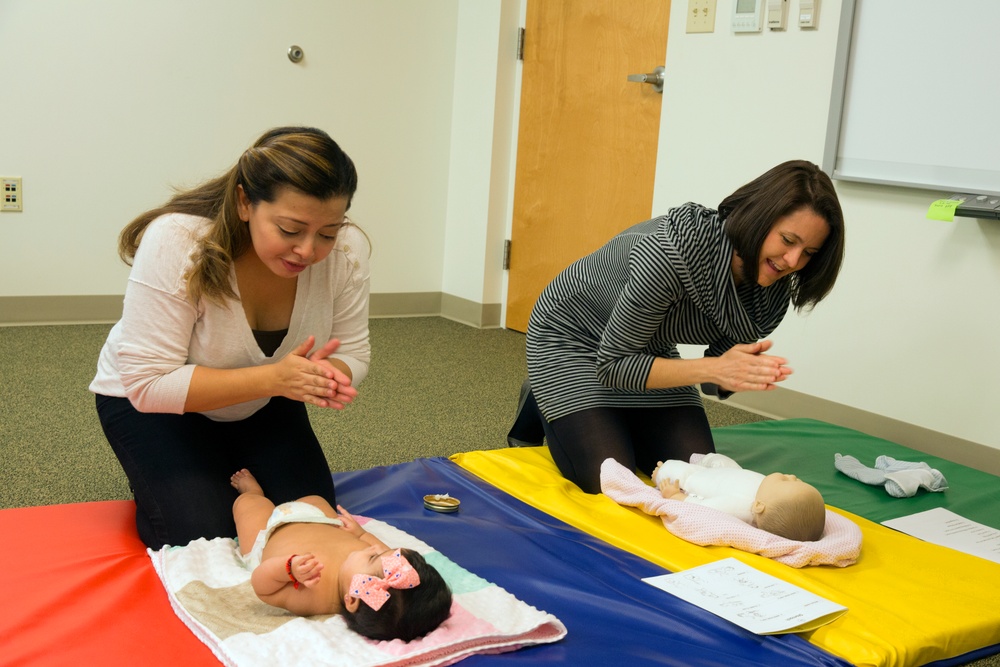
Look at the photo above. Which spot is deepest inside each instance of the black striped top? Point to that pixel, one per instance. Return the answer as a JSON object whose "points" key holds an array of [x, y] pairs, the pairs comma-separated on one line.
{"points": [[597, 327]]}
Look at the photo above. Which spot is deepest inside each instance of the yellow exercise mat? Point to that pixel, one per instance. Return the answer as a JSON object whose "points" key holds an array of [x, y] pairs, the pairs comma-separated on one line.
{"points": [[909, 602]]}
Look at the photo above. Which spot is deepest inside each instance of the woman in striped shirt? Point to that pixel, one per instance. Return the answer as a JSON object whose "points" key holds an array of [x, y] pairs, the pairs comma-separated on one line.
{"points": [[602, 339]]}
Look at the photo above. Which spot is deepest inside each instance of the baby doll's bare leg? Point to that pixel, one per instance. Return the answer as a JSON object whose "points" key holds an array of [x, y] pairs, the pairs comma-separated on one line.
{"points": [[251, 510]]}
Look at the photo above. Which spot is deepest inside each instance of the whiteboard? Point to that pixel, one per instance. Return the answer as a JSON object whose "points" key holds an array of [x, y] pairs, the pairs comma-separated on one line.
{"points": [[916, 98]]}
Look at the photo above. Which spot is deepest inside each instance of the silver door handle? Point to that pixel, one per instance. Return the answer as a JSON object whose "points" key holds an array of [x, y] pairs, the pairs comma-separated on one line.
{"points": [[655, 78]]}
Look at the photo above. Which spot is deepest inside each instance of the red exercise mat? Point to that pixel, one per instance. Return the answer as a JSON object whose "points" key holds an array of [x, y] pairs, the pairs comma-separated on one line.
{"points": [[78, 589]]}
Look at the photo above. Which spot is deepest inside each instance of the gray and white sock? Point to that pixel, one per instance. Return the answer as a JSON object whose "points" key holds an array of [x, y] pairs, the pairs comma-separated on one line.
{"points": [[901, 479], [855, 469], [889, 464], [905, 483]]}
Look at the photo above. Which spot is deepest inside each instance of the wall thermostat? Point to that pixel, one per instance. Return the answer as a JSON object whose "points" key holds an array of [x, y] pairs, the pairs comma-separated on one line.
{"points": [[748, 15]]}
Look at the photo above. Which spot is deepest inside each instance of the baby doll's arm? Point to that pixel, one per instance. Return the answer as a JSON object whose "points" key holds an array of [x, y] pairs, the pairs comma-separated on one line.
{"points": [[351, 525], [671, 490], [276, 573]]}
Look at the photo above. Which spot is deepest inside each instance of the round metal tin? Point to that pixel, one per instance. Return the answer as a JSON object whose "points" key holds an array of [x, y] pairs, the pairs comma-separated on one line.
{"points": [[437, 502]]}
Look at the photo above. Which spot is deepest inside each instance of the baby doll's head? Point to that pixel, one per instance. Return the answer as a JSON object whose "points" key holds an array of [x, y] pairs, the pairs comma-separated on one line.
{"points": [[788, 507], [407, 613]]}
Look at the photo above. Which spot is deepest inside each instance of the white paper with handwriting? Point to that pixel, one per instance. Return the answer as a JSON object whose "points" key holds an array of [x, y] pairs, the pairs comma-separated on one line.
{"points": [[947, 529], [758, 602]]}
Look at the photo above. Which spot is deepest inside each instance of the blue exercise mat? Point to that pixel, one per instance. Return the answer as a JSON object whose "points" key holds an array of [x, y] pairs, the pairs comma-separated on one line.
{"points": [[595, 589]]}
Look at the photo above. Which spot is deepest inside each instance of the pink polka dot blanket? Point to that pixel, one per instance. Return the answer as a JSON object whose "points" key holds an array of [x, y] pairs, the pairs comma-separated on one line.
{"points": [[209, 590], [840, 544]]}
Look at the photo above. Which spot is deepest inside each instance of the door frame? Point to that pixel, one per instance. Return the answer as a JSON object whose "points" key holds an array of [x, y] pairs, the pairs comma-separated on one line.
{"points": [[510, 176]]}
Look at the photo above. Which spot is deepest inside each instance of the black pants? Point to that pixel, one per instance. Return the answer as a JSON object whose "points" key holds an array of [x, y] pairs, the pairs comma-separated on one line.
{"points": [[635, 437], [179, 466]]}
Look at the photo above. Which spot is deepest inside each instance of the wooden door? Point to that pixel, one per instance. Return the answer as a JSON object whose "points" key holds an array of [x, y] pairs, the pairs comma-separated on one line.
{"points": [[587, 137]]}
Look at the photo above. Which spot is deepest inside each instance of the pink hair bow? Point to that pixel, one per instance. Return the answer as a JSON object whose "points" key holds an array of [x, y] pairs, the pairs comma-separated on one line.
{"points": [[398, 574]]}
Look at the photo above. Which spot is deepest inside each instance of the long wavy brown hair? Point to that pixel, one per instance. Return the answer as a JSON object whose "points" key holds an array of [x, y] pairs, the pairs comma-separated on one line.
{"points": [[303, 158]]}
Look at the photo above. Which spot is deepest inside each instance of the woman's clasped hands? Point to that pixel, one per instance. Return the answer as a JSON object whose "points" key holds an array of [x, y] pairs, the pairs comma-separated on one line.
{"points": [[747, 368], [309, 376]]}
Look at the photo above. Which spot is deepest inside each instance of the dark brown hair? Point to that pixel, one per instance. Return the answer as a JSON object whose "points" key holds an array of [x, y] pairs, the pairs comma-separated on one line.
{"points": [[752, 211], [303, 158], [408, 613]]}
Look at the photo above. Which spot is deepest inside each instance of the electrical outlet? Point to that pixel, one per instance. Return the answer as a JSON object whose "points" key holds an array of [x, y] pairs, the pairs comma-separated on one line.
{"points": [[12, 197], [701, 16]]}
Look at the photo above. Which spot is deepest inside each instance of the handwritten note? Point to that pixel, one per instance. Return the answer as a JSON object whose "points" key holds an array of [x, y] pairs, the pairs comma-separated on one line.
{"points": [[751, 599], [947, 529], [943, 209]]}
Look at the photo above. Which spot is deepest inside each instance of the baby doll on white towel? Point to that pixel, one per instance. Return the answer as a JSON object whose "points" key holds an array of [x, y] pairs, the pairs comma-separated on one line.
{"points": [[312, 559], [777, 503]]}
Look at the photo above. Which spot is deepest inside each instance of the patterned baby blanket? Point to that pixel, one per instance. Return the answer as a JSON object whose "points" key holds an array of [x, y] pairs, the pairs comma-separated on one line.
{"points": [[840, 544], [209, 589]]}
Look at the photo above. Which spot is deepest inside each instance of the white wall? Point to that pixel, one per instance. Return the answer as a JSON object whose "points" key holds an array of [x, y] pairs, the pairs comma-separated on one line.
{"points": [[108, 104], [481, 137], [909, 331]]}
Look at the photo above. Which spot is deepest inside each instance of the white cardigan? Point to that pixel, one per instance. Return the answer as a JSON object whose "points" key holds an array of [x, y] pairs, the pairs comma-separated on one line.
{"points": [[151, 352]]}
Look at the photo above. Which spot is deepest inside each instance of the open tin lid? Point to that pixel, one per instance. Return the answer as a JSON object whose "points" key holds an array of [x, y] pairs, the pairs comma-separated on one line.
{"points": [[441, 502]]}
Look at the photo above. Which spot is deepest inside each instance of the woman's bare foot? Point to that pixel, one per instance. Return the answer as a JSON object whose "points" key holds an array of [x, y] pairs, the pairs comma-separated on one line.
{"points": [[244, 482]]}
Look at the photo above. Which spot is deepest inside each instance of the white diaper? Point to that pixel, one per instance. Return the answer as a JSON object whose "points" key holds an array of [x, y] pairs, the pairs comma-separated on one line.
{"points": [[292, 512]]}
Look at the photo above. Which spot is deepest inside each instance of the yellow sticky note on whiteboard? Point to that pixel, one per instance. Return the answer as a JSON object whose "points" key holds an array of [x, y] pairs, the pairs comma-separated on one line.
{"points": [[943, 209]]}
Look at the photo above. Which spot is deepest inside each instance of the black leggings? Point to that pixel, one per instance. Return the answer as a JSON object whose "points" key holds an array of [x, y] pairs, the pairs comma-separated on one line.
{"points": [[179, 466], [635, 437]]}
